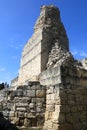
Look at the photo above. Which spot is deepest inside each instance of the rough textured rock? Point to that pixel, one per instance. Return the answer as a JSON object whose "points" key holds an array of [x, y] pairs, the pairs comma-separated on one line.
{"points": [[14, 83], [5, 124], [84, 63]]}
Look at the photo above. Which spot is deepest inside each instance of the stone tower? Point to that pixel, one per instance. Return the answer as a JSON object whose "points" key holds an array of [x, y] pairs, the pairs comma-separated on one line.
{"points": [[48, 33]]}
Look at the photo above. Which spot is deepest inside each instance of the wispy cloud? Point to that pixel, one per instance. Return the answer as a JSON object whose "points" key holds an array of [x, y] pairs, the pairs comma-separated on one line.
{"points": [[79, 53], [83, 54], [19, 46], [7, 77], [74, 52], [14, 57], [2, 69]]}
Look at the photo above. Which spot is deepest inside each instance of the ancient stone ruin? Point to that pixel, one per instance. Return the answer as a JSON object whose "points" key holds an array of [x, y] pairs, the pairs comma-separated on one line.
{"points": [[51, 89]]}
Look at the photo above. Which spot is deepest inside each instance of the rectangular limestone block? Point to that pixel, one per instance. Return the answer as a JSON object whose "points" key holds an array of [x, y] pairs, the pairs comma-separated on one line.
{"points": [[51, 76], [38, 100], [38, 109], [39, 105], [22, 99], [40, 93], [50, 107], [50, 89], [48, 125], [55, 126], [31, 105], [21, 109], [55, 117], [30, 93], [46, 115], [20, 114], [29, 115], [50, 102], [21, 104], [11, 114]]}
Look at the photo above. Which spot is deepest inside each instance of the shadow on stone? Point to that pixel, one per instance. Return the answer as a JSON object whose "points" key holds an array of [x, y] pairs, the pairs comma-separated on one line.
{"points": [[5, 124]]}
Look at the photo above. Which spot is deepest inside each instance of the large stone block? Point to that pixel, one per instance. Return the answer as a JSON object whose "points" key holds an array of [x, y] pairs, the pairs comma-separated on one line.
{"points": [[50, 107], [38, 100], [21, 109], [11, 114], [40, 93], [20, 114], [30, 93], [55, 126], [15, 121], [27, 122], [31, 105], [21, 104]]}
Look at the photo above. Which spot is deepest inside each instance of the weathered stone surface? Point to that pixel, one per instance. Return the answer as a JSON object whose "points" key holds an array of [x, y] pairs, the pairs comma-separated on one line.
{"points": [[11, 114], [84, 63], [14, 83], [55, 126], [40, 93], [20, 114], [67, 99], [21, 104], [15, 121], [26, 122], [31, 105], [21, 109], [30, 93]]}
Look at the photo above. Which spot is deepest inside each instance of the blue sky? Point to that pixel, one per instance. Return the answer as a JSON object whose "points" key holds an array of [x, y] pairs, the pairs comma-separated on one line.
{"points": [[17, 19]]}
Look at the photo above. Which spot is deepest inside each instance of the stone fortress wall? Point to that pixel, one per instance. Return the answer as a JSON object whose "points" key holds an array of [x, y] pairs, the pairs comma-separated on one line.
{"points": [[51, 88]]}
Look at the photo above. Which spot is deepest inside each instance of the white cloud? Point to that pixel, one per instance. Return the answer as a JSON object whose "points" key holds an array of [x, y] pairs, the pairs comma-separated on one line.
{"points": [[14, 57], [2, 69], [74, 52], [18, 46], [79, 53], [83, 54], [7, 77]]}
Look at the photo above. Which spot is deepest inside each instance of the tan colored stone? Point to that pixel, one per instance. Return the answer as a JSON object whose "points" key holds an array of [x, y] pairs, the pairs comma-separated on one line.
{"points": [[46, 115], [15, 121], [40, 93], [26, 122], [55, 126]]}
